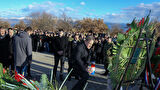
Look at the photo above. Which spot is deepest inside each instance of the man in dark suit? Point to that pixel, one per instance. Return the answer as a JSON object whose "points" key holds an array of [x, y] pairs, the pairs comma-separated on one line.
{"points": [[60, 47], [81, 59]]}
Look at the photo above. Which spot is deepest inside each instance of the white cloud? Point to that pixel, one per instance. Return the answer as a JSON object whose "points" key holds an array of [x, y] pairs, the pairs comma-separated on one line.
{"points": [[10, 12], [20, 18], [49, 7], [125, 15], [69, 9], [139, 11], [82, 3]]}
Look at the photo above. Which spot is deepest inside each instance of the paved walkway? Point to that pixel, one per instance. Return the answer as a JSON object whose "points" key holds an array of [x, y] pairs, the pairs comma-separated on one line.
{"points": [[43, 63]]}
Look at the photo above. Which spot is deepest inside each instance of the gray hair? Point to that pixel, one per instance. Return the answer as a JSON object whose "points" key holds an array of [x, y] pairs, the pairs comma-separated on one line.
{"points": [[89, 38]]}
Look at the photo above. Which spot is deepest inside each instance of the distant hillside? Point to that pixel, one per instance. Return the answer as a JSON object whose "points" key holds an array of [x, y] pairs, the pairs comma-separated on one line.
{"points": [[122, 25], [14, 21]]}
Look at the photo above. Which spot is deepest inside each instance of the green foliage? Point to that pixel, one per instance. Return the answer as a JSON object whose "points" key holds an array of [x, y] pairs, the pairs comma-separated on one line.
{"points": [[124, 49], [121, 38], [1, 70], [9, 83]]}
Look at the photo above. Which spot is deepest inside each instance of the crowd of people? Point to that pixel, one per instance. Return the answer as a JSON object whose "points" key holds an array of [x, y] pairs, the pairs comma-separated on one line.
{"points": [[16, 49], [79, 48]]}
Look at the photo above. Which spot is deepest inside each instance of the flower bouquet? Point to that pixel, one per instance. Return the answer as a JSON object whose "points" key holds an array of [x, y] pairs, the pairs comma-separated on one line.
{"points": [[19, 82]]}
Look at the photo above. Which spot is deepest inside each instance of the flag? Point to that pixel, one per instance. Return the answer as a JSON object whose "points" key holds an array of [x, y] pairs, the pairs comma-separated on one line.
{"points": [[147, 76], [158, 85]]}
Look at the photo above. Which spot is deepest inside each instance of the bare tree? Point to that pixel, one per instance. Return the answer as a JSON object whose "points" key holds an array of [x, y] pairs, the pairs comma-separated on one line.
{"points": [[65, 22], [43, 21], [21, 25], [5, 24], [87, 24]]}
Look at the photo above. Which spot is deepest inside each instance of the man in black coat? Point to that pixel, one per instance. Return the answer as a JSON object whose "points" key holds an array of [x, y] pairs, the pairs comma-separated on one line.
{"points": [[10, 47], [60, 46], [98, 51], [72, 46], [4, 51], [81, 58]]}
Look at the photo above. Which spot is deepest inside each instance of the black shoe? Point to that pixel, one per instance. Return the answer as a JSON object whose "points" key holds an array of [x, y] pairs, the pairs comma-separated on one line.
{"points": [[61, 78], [53, 78], [29, 75]]}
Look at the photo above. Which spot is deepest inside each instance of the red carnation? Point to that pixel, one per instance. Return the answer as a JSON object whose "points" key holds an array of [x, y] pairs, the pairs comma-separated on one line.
{"points": [[25, 84], [142, 21], [139, 23], [128, 30], [4, 71], [17, 77]]}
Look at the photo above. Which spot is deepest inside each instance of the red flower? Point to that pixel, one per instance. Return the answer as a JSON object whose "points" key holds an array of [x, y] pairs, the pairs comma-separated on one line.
{"points": [[17, 77], [25, 84], [139, 23], [142, 21], [4, 71], [128, 30]]}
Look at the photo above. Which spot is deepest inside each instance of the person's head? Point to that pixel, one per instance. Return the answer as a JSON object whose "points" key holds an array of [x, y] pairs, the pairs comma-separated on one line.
{"points": [[61, 32], [109, 39], [106, 37], [76, 37], [2, 31], [10, 32], [28, 30], [99, 39], [89, 41], [115, 36]]}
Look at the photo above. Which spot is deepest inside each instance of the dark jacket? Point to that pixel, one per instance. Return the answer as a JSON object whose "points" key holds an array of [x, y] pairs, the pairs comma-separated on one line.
{"points": [[81, 57], [107, 49], [98, 48], [60, 43], [10, 46], [22, 49], [71, 46], [4, 50]]}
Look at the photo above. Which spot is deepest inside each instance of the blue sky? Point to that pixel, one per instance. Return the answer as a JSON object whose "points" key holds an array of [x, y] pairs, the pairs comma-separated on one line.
{"points": [[116, 11]]}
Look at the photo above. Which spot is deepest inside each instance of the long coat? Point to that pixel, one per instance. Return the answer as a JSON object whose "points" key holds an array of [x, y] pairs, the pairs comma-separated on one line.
{"points": [[60, 44], [81, 57]]}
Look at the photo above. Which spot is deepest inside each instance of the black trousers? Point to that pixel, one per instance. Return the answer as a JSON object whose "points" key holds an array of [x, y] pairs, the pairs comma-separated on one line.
{"points": [[84, 76], [29, 68], [73, 73], [57, 59], [70, 65]]}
